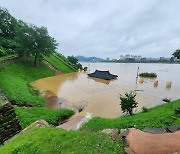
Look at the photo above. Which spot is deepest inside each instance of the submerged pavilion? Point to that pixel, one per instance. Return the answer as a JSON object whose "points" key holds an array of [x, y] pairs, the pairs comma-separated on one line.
{"points": [[106, 75]]}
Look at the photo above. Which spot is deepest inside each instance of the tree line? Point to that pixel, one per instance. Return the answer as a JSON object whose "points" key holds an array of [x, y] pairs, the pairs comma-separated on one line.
{"points": [[24, 39]]}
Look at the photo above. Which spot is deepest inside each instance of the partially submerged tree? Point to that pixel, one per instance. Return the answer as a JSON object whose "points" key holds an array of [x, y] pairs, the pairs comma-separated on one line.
{"points": [[128, 102], [177, 54]]}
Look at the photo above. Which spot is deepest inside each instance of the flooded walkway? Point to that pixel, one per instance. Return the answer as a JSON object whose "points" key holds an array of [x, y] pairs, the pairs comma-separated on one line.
{"points": [[100, 97]]}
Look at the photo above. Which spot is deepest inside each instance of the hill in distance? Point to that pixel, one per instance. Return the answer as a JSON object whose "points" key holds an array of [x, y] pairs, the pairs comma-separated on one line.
{"points": [[89, 59]]}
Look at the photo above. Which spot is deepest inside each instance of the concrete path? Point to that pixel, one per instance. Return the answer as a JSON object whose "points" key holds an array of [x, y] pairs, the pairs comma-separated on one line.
{"points": [[146, 143], [74, 124]]}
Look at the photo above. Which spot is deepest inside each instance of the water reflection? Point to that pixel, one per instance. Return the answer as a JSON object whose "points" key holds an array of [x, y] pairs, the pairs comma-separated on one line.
{"points": [[101, 80]]}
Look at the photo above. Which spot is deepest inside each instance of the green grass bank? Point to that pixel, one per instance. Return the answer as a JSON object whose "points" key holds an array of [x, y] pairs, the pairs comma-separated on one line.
{"points": [[160, 117], [58, 64], [16, 77], [54, 141], [27, 116]]}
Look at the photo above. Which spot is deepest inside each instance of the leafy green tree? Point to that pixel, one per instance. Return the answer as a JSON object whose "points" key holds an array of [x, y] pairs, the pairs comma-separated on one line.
{"points": [[73, 59], [128, 102], [2, 51], [177, 54], [24, 39], [34, 41], [43, 44], [8, 25]]}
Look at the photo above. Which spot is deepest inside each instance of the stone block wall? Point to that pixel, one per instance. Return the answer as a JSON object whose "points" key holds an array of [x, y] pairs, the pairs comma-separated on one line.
{"points": [[8, 61], [9, 124]]}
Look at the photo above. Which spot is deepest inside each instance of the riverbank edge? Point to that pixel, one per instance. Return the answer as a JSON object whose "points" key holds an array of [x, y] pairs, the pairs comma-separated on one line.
{"points": [[160, 116]]}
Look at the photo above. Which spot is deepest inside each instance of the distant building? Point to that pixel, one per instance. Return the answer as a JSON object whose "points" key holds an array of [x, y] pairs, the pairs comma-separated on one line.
{"points": [[121, 57], [139, 57], [107, 59], [161, 58], [127, 56], [143, 60]]}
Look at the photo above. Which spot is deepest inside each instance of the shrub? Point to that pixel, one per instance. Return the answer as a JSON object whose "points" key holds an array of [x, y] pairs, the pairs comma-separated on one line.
{"points": [[85, 68], [146, 74], [128, 102], [79, 66], [144, 109], [177, 111]]}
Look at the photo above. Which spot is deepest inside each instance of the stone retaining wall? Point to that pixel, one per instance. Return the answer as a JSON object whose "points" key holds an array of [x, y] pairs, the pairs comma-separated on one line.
{"points": [[9, 124], [8, 61]]}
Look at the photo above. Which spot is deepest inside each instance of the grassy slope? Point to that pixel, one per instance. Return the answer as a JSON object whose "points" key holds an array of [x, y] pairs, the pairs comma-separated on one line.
{"points": [[160, 116], [66, 61], [27, 116], [54, 141], [58, 64], [15, 78]]}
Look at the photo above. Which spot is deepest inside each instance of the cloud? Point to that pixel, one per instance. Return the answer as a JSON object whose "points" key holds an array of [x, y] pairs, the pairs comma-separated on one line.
{"points": [[105, 28]]}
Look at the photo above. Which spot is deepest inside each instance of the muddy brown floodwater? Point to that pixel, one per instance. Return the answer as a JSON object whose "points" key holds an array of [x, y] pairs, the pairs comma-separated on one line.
{"points": [[100, 97]]}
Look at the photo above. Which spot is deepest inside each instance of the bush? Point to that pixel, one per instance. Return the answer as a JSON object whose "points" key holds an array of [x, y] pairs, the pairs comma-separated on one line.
{"points": [[146, 74], [177, 111], [85, 68], [128, 102], [73, 59], [144, 109]]}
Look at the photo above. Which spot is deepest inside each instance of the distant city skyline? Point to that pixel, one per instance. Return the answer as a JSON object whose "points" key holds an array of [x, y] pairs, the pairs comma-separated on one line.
{"points": [[104, 28]]}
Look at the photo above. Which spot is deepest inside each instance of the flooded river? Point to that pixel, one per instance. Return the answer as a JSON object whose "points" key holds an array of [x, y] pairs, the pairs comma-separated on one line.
{"points": [[100, 98]]}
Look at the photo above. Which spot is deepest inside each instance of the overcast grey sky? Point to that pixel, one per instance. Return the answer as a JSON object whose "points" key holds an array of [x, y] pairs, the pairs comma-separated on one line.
{"points": [[105, 28]]}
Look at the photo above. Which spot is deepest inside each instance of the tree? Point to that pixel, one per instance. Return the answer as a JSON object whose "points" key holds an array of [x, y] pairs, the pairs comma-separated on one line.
{"points": [[43, 44], [34, 41], [24, 39], [177, 54], [73, 59], [8, 25], [128, 102]]}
